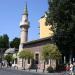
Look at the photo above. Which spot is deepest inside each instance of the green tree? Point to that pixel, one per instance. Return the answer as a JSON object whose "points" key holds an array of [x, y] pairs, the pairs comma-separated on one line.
{"points": [[4, 44], [61, 15], [1, 42], [26, 54], [9, 58], [49, 52], [15, 43], [4, 41]]}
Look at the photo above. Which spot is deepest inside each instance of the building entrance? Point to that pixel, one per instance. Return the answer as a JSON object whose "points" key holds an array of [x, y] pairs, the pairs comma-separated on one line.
{"points": [[37, 58], [35, 62]]}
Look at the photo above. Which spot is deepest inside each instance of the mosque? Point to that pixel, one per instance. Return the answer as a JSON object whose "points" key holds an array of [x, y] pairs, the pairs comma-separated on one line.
{"points": [[35, 45]]}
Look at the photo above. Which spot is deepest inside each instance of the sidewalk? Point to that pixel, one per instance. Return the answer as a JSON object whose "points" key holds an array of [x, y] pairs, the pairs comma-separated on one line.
{"points": [[31, 71], [27, 70]]}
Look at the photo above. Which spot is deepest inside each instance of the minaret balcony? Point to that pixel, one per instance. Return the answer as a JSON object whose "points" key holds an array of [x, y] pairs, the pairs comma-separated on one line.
{"points": [[24, 24]]}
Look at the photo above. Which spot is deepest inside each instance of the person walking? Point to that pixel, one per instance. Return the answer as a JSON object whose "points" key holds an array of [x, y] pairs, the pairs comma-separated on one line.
{"points": [[67, 67], [71, 69]]}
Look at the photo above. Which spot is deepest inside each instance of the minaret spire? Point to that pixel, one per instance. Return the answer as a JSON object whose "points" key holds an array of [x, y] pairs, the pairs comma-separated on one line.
{"points": [[26, 9]]}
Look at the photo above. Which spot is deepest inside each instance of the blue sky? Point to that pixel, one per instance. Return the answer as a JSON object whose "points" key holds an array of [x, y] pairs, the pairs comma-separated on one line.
{"points": [[11, 13]]}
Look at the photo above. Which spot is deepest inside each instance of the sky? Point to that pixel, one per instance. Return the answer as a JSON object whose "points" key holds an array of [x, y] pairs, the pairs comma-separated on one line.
{"points": [[11, 13]]}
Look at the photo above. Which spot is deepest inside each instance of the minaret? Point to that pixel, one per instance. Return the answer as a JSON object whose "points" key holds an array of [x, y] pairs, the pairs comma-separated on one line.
{"points": [[24, 25]]}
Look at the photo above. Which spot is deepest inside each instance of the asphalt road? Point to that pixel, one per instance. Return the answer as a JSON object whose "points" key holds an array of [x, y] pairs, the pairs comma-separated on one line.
{"points": [[18, 72]]}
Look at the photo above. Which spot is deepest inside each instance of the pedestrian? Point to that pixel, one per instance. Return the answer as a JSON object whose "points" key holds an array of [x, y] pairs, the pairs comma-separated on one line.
{"points": [[67, 67], [71, 69], [10, 64]]}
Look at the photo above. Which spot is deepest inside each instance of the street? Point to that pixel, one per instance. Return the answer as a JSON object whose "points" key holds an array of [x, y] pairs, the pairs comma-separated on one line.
{"points": [[19, 72]]}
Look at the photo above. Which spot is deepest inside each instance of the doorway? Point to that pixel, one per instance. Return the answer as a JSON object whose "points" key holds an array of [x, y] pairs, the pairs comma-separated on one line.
{"points": [[37, 58], [35, 62]]}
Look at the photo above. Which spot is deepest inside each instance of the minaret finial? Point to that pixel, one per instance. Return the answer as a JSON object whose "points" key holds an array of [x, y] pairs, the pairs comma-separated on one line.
{"points": [[25, 9]]}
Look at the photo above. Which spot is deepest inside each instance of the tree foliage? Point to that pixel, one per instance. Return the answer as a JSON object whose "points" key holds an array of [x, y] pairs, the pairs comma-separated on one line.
{"points": [[25, 54], [4, 41], [15, 43], [51, 52], [62, 12], [9, 58]]}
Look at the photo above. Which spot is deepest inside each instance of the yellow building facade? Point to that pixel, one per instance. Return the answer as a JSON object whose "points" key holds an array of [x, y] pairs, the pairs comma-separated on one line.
{"points": [[45, 30]]}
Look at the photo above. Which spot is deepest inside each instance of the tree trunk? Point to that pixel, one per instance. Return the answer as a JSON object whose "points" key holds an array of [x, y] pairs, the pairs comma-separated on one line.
{"points": [[57, 64], [44, 67], [24, 63], [50, 62]]}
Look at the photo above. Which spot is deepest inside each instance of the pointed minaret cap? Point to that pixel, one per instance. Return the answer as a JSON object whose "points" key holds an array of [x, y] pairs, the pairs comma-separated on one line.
{"points": [[25, 10]]}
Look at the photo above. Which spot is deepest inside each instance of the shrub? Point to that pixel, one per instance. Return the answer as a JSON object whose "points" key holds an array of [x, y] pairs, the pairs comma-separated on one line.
{"points": [[50, 69]]}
